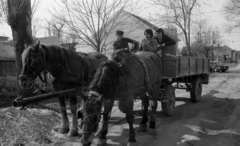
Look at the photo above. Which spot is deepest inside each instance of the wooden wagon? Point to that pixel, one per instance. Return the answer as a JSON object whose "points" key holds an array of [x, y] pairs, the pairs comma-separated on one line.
{"points": [[181, 72]]}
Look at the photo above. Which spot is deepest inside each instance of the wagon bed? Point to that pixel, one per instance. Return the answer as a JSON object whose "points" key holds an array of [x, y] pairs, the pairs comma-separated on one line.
{"points": [[181, 72]]}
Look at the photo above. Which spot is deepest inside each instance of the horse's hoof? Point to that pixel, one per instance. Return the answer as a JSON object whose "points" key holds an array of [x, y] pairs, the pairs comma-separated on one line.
{"points": [[132, 144], [142, 128], [101, 142], [62, 130], [85, 144], [152, 132], [73, 133]]}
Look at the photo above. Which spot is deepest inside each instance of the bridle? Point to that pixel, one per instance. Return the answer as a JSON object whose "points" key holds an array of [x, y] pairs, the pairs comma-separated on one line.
{"points": [[32, 65], [91, 100]]}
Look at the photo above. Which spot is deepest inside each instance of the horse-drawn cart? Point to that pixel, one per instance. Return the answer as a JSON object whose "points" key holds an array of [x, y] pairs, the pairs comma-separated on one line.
{"points": [[181, 72], [143, 73]]}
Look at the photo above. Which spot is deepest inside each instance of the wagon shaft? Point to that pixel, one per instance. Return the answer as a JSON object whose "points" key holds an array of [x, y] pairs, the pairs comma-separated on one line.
{"points": [[25, 101]]}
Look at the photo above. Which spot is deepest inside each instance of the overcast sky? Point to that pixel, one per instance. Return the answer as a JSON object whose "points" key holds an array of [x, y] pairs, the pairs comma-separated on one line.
{"points": [[214, 14]]}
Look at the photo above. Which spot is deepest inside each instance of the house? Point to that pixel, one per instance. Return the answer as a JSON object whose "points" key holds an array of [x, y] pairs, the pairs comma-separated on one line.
{"points": [[3, 38], [133, 27], [222, 53]]}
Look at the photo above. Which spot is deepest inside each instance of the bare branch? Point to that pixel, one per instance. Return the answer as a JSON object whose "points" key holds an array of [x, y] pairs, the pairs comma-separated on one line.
{"points": [[34, 6], [91, 20], [232, 14]]}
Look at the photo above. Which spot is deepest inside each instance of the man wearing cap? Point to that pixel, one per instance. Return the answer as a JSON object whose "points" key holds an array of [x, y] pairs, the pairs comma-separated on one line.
{"points": [[121, 42]]}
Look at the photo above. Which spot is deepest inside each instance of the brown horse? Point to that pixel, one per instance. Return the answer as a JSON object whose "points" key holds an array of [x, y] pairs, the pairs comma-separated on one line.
{"points": [[122, 78], [69, 70]]}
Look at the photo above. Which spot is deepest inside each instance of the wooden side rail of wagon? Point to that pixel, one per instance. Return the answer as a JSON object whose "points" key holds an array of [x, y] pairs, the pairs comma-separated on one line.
{"points": [[181, 72]]}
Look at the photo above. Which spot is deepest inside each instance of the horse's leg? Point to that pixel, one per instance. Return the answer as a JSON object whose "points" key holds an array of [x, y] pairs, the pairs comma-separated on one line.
{"points": [[154, 105], [102, 139], [73, 108], [143, 123], [130, 119], [65, 123]]}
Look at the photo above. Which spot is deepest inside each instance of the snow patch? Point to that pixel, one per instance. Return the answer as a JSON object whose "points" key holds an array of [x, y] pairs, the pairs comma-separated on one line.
{"points": [[212, 132], [186, 138], [209, 121]]}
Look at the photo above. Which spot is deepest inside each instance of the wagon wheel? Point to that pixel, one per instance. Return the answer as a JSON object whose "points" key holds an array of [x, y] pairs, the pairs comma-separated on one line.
{"points": [[168, 103], [196, 90]]}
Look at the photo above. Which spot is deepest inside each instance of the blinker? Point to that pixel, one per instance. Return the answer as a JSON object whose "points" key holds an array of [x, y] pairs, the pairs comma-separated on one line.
{"points": [[34, 63], [119, 64]]}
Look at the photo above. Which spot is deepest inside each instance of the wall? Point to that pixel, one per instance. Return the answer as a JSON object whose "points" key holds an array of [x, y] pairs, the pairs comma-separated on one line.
{"points": [[7, 75]]}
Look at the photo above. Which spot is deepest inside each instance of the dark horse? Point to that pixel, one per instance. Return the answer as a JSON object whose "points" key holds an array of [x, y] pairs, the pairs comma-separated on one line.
{"points": [[69, 70], [122, 78]]}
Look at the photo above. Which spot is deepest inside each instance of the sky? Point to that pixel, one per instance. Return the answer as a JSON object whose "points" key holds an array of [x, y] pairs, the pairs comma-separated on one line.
{"points": [[214, 14]]}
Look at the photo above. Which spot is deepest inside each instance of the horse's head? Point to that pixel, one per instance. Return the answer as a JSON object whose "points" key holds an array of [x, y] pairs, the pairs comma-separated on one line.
{"points": [[105, 85], [92, 107], [121, 57], [32, 65]]}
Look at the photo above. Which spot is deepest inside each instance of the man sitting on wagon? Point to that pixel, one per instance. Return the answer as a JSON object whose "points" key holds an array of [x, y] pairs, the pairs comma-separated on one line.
{"points": [[122, 42]]}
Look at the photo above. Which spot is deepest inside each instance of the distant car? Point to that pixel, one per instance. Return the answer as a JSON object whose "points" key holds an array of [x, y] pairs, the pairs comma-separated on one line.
{"points": [[218, 66]]}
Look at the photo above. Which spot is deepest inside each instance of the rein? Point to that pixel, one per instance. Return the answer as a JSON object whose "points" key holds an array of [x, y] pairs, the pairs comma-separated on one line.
{"points": [[44, 70], [43, 60], [92, 101]]}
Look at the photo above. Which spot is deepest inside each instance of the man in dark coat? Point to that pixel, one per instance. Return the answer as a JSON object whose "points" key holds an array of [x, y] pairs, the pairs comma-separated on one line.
{"points": [[162, 39], [121, 42]]}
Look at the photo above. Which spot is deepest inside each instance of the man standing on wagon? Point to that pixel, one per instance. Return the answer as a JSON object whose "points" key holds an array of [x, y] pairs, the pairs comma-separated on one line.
{"points": [[122, 42], [162, 39]]}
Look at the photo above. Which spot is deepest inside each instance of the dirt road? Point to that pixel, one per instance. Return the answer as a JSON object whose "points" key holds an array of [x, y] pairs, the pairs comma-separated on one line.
{"points": [[214, 121]]}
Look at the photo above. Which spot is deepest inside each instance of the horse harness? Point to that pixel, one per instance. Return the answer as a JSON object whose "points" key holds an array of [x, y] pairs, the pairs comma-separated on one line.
{"points": [[36, 58], [145, 69], [92, 65]]}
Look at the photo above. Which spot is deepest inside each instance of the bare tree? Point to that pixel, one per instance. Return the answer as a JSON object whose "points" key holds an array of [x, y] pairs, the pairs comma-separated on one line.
{"points": [[18, 14], [179, 13], [232, 13], [4, 9], [36, 26], [70, 40], [206, 38], [91, 20], [55, 28]]}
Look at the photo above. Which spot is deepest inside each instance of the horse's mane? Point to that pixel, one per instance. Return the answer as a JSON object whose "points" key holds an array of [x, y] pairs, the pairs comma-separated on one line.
{"points": [[106, 77], [58, 54], [25, 53], [121, 54]]}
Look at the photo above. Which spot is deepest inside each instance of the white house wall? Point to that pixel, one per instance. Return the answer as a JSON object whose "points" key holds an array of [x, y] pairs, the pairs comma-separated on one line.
{"points": [[132, 27]]}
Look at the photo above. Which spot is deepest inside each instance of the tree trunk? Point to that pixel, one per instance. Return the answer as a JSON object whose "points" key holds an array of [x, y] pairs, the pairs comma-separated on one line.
{"points": [[189, 29], [21, 32]]}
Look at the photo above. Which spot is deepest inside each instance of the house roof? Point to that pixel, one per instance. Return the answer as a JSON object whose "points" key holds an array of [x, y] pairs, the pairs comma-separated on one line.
{"points": [[144, 21], [225, 50], [52, 40]]}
